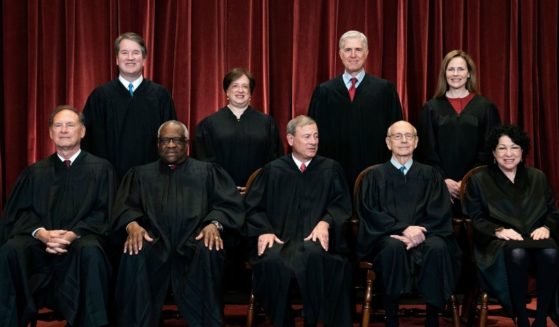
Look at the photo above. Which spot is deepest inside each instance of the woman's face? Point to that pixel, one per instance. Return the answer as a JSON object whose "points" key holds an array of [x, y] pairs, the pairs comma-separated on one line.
{"points": [[238, 92], [457, 73], [507, 154]]}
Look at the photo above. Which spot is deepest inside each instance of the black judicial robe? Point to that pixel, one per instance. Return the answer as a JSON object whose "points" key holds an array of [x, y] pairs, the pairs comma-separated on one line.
{"points": [[455, 143], [174, 206], [122, 128], [288, 203], [493, 201], [49, 194], [353, 133], [240, 146], [389, 202]]}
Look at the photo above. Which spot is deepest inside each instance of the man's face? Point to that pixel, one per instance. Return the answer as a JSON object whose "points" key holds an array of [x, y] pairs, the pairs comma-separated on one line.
{"points": [[402, 140], [172, 144], [353, 55], [304, 143], [66, 131], [129, 59]]}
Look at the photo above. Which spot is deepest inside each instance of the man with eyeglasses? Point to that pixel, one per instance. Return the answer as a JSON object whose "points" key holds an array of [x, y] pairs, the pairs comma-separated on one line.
{"points": [[171, 214], [405, 227]]}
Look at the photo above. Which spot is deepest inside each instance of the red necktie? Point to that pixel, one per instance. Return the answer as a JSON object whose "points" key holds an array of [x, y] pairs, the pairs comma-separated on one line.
{"points": [[303, 167], [352, 89], [67, 163]]}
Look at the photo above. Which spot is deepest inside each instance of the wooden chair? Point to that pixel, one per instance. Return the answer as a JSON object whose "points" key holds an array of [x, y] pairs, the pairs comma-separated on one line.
{"points": [[471, 295], [368, 266], [250, 310]]}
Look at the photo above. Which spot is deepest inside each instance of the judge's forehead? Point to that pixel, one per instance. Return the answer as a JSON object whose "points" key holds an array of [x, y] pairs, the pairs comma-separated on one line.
{"points": [[65, 115], [172, 129], [401, 126]]}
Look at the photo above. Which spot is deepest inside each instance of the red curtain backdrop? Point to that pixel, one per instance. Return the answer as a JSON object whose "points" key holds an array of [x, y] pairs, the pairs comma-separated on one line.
{"points": [[56, 51]]}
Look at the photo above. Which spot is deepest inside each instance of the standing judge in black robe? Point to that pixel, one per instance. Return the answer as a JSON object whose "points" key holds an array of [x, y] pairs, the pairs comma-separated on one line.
{"points": [[352, 128], [454, 124], [515, 226], [122, 116], [238, 137], [172, 211], [296, 210], [405, 227], [57, 221]]}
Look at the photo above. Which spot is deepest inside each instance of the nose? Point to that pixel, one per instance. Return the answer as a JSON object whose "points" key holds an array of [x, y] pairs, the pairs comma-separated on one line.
{"points": [[171, 144]]}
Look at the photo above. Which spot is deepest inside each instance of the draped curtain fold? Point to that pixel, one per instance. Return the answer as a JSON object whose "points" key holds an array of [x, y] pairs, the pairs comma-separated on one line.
{"points": [[56, 51]]}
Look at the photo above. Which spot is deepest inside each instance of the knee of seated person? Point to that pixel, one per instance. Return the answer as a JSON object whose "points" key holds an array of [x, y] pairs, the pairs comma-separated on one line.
{"points": [[436, 244], [313, 247], [517, 254], [394, 246], [12, 247], [551, 254]]}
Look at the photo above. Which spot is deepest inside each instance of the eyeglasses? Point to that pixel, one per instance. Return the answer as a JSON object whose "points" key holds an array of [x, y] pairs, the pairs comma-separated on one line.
{"points": [[176, 140], [400, 136]]}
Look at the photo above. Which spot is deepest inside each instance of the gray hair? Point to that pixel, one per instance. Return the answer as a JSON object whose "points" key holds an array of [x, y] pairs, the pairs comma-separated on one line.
{"points": [[354, 35], [174, 122], [298, 121]]}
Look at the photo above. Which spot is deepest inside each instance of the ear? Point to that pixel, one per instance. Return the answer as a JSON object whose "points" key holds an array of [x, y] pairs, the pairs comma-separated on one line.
{"points": [[388, 143], [290, 139]]}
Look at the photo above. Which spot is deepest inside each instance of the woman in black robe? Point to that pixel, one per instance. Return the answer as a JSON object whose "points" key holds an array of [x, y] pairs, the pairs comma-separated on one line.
{"points": [[453, 125], [515, 226], [237, 137], [241, 140]]}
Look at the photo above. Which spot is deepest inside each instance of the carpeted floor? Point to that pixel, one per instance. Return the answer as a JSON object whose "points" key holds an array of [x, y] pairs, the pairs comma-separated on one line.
{"points": [[235, 316]]}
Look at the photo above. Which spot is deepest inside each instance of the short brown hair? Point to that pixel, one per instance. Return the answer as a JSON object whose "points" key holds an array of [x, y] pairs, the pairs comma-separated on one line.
{"points": [[235, 74], [132, 37]]}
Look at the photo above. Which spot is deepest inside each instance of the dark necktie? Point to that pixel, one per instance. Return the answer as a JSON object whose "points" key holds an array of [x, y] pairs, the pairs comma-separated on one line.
{"points": [[131, 88], [172, 166], [403, 169], [352, 89], [67, 163], [303, 168]]}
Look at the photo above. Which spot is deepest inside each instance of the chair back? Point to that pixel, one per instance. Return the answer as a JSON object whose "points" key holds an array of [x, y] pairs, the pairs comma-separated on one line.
{"points": [[251, 179]]}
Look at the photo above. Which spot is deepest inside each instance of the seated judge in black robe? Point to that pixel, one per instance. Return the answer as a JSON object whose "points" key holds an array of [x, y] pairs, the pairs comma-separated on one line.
{"points": [[172, 211], [122, 116], [352, 127], [515, 226], [238, 137], [454, 124], [296, 210], [57, 221], [405, 227]]}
